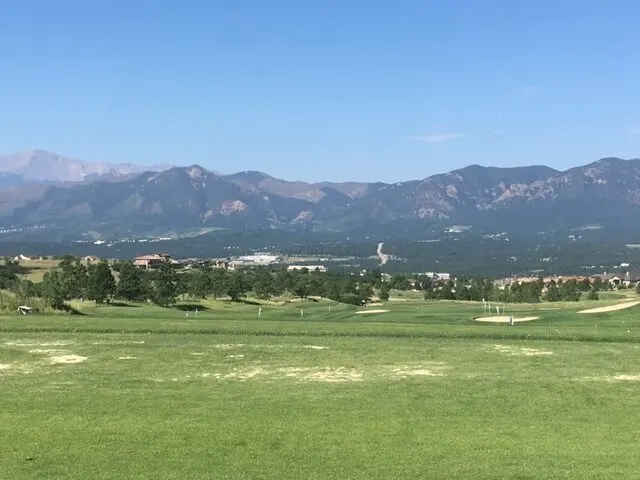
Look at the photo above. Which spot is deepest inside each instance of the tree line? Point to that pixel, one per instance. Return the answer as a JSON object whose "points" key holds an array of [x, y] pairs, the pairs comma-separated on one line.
{"points": [[103, 282]]}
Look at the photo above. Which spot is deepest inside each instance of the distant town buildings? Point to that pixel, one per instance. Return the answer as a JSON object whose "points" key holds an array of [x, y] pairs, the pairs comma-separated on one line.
{"points": [[153, 261]]}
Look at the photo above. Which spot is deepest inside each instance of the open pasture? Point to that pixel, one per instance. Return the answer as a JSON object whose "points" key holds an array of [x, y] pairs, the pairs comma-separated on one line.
{"points": [[422, 391]]}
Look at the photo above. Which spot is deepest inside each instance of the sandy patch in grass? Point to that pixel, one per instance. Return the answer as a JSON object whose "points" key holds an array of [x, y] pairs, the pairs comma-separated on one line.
{"points": [[45, 351], [527, 352], [336, 375], [504, 319], [67, 359], [127, 358], [419, 370], [246, 374], [234, 356], [47, 344], [611, 308], [227, 346], [198, 354], [377, 304], [628, 378], [366, 312], [315, 347], [5, 366]]}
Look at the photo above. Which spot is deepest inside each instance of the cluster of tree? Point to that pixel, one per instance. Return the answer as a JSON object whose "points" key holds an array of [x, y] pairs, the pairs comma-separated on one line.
{"points": [[9, 274], [72, 279]]}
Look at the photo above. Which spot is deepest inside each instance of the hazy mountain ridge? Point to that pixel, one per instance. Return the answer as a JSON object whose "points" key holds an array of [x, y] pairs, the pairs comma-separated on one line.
{"points": [[530, 198], [44, 166]]}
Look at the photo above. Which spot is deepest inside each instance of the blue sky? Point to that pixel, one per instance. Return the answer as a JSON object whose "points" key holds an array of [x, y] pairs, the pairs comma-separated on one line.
{"points": [[322, 90]]}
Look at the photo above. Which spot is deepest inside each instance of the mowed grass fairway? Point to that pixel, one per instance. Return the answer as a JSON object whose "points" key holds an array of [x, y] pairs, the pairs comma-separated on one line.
{"points": [[420, 392]]}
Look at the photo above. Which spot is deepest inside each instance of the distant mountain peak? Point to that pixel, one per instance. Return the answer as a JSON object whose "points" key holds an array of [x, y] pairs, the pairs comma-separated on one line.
{"points": [[39, 165]]}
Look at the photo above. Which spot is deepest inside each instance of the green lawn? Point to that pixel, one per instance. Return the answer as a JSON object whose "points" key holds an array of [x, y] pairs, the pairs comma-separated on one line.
{"points": [[423, 391]]}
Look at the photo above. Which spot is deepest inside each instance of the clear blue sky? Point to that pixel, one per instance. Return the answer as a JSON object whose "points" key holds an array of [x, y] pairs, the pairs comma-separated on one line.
{"points": [[331, 89]]}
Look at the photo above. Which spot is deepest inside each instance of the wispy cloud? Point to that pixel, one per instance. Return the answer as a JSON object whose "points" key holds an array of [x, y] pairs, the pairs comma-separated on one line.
{"points": [[438, 137]]}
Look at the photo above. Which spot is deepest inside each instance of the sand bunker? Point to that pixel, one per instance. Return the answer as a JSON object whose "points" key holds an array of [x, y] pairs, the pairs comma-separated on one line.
{"points": [[504, 319], [68, 359], [371, 311], [611, 308], [527, 352]]}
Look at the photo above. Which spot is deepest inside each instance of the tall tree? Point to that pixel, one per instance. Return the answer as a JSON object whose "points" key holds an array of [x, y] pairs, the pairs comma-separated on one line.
{"points": [[164, 288], [101, 285], [53, 289], [219, 282], [237, 287], [73, 277], [131, 283], [199, 283], [384, 292], [263, 284]]}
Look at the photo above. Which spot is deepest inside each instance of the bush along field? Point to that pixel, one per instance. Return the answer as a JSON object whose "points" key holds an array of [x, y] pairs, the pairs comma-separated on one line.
{"points": [[301, 386]]}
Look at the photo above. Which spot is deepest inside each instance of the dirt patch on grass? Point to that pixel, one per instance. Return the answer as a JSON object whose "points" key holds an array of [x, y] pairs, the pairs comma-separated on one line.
{"points": [[419, 370], [234, 356], [246, 374], [627, 378], [315, 347], [67, 359], [127, 358], [336, 375], [368, 312], [31, 344], [227, 346], [5, 366], [504, 319], [46, 351], [611, 308], [520, 351]]}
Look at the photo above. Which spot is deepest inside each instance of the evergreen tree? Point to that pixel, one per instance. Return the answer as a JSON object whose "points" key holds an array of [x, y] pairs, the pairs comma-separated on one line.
{"points": [[73, 277], [53, 289], [385, 291], [301, 286], [101, 285], [237, 286], [164, 285], [219, 282], [593, 294], [263, 284], [131, 283]]}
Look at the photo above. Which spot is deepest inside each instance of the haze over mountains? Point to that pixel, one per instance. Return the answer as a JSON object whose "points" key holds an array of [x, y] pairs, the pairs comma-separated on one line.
{"points": [[43, 166], [125, 200]]}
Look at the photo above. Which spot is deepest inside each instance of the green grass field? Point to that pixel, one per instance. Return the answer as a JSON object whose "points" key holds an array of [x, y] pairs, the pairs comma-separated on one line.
{"points": [[423, 391]]}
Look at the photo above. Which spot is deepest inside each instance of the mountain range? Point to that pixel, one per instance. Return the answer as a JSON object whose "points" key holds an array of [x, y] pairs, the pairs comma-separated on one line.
{"points": [[126, 200], [42, 166]]}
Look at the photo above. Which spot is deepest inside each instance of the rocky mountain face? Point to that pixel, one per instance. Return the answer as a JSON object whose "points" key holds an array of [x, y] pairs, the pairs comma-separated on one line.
{"points": [[534, 198]]}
